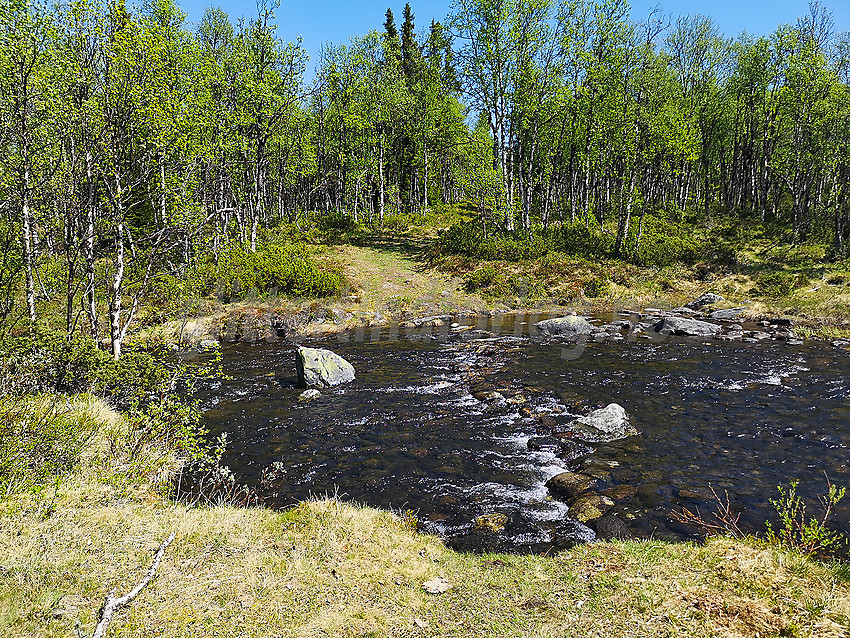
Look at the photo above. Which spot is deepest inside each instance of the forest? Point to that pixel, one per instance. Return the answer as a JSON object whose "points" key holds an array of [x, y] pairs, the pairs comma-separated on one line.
{"points": [[140, 152]]}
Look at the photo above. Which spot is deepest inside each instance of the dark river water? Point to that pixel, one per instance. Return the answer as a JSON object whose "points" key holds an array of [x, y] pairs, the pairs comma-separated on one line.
{"points": [[408, 434]]}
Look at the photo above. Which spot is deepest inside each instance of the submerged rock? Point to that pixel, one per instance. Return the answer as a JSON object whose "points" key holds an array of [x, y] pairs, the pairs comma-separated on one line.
{"points": [[687, 327], [494, 522], [604, 425], [705, 300], [571, 533], [588, 506], [549, 444], [320, 367], [569, 326], [309, 395], [610, 527], [571, 449]]}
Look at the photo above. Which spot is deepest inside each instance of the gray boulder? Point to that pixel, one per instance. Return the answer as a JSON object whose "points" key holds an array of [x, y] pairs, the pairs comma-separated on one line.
{"points": [[322, 368], [687, 327], [726, 315], [569, 326], [610, 423], [682, 310], [705, 300]]}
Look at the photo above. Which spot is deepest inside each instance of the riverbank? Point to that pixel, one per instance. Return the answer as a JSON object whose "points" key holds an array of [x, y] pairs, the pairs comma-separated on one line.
{"points": [[392, 279], [330, 568]]}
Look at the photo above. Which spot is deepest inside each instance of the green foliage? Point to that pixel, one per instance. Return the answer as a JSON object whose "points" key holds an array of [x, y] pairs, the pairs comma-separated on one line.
{"points": [[274, 269], [42, 438], [777, 284], [799, 531], [661, 243], [38, 360], [497, 283], [166, 427], [597, 287]]}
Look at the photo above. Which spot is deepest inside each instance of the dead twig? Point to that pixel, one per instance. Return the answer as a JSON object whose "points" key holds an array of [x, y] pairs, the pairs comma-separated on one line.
{"points": [[723, 520], [112, 604]]}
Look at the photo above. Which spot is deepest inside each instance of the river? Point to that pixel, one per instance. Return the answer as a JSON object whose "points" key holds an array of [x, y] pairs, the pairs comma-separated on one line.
{"points": [[410, 434]]}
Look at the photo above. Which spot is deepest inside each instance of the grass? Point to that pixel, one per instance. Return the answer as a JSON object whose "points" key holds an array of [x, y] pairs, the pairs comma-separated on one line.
{"points": [[326, 568]]}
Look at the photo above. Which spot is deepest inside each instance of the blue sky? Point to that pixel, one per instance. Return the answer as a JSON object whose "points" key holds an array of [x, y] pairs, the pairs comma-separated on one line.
{"points": [[336, 21]]}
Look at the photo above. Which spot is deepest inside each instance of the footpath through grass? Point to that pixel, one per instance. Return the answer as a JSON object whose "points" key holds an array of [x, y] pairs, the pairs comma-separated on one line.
{"points": [[326, 568]]}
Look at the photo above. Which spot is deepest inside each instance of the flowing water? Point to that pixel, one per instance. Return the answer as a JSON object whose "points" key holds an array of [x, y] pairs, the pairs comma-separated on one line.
{"points": [[408, 434]]}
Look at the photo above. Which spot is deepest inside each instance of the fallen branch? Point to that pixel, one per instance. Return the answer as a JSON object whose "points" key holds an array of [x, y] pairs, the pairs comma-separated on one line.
{"points": [[112, 604]]}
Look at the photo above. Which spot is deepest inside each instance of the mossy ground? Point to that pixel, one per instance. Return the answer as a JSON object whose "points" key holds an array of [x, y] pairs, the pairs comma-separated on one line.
{"points": [[327, 568]]}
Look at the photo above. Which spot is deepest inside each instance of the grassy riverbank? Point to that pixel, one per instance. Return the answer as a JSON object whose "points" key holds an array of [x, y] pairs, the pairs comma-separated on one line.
{"points": [[327, 568], [392, 274]]}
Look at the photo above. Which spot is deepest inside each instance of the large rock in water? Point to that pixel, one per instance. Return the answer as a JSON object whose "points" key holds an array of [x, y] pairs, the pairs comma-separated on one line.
{"points": [[726, 315], [569, 326], [687, 327], [604, 425], [569, 485], [320, 367], [705, 300]]}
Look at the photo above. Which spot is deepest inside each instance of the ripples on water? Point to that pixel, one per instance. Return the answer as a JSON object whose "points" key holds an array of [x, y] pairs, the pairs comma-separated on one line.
{"points": [[407, 434]]}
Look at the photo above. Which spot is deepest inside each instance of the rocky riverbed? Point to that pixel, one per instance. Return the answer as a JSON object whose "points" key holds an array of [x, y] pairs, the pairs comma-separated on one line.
{"points": [[483, 426]]}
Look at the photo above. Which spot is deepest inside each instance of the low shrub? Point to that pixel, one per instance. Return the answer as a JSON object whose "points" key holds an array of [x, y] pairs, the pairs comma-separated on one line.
{"points": [[661, 243], [597, 287], [38, 360], [275, 269], [801, 531], [777, 284], [41, 438]]}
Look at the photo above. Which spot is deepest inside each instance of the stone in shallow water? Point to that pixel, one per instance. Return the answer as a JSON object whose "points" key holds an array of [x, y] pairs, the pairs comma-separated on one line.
{"points": [[549, 444], [726, 315], [570, 484], [572, 449], [493, 522], [309, 395], [588, 505], [705, 300], [320, 367], [571, 533], [567, 327], [610, 527], [604, 425], [687, 327]]}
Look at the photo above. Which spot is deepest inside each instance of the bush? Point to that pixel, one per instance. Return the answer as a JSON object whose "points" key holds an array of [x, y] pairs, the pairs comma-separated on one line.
{"points": [[38, 361], [41, 438], [806, 534], [777, 284], [597, 287], [283, 269], [662, 243]]}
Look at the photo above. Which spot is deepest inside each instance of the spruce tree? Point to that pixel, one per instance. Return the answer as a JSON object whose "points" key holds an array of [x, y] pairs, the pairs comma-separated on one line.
{"points": [[391, 41]]}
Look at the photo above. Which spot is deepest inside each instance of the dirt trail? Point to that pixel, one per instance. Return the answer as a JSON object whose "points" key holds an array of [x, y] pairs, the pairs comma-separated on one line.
{"points": [[390, 277]]}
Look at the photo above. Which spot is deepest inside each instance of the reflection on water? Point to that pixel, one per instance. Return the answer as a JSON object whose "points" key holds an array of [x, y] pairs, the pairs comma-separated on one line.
{"points": [[409, 434]]}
